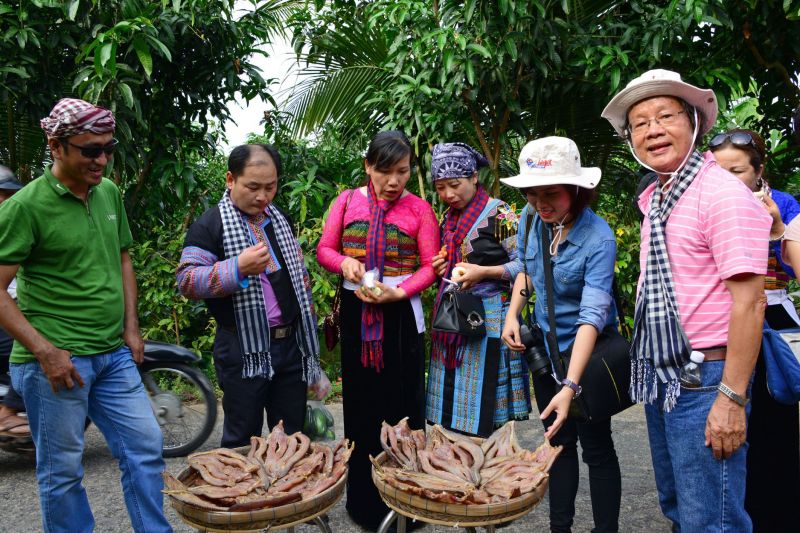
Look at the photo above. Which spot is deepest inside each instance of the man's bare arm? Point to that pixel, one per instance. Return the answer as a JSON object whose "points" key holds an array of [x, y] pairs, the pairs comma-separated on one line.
{"points": [[56, 363], [131, 333], [726, 425]]}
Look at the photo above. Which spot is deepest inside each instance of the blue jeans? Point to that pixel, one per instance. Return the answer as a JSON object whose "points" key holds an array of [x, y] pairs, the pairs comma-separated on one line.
{"points": [[697, 492], [115, 399]]}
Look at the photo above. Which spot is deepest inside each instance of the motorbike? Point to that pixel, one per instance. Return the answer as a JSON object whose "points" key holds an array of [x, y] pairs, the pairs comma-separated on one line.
{"points": [[181, 396]]}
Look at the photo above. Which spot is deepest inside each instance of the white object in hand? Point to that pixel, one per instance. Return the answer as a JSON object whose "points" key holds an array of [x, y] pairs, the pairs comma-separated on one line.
{"points": [[369, 279], [368, 282], [459, 272]]}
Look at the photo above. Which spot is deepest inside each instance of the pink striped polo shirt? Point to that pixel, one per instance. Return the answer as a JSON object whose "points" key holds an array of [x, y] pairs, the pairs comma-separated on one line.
{"points": [[716, 230]]}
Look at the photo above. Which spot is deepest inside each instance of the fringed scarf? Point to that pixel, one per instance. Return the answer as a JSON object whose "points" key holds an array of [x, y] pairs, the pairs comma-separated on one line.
{"points": [[660, 347], [371, 314], [456, 226], [252, 326]]}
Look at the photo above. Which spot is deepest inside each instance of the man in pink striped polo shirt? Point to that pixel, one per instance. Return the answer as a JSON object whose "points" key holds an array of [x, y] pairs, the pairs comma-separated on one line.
{"points": [[703, 260]]}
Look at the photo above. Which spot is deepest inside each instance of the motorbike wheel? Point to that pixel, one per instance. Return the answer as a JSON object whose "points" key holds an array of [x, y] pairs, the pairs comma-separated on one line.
{"points": [[184, 404]]}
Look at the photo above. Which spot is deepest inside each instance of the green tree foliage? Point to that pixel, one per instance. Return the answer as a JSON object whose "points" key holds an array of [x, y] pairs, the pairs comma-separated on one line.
{"points": [[168, 70], [497, 72]]}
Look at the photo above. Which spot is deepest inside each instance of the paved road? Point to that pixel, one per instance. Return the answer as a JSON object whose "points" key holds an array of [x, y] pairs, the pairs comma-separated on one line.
{"points": [[19, 507]]}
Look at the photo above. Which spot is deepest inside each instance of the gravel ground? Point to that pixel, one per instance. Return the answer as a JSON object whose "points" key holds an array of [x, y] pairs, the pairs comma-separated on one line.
{"points": [[19, 505]]}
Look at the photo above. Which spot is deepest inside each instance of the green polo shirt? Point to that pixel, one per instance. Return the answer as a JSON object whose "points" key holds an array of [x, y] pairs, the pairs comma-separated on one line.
{"points": [[69, 284]]}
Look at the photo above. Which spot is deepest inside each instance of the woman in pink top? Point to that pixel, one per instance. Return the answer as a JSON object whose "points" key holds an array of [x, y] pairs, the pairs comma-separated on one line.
{"points": [[383, 228]]}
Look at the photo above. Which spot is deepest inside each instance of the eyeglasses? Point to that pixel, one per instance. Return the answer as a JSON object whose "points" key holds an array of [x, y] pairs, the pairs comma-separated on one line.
{"points": [[737, 138], [94, 151], [666, 119]]}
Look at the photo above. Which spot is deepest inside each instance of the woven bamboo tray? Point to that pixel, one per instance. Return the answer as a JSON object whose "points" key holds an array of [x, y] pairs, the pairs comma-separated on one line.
{"points": [[455, 514], [271, 518]]}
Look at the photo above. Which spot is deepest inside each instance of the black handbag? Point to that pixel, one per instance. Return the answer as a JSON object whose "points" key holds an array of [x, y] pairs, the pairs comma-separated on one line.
{"points": [[460, 312], [330, 324], [607, 378]]}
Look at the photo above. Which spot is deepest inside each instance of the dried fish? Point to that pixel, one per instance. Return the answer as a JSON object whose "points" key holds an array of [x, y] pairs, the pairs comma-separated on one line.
{"points": [[449, 467], [278, 470]]}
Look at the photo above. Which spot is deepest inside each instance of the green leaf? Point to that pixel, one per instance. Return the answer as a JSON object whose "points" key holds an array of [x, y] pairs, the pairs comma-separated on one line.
{"points": [[98, 68], [112, 60], [657, 46], [161, 47], [615, 76], [105, 53], [127, 94], [469, 9], [503, 5], [18, 71], [448, 61], [72, 10], [143, 51], [480, 49], [511, 47], [470, 72]]}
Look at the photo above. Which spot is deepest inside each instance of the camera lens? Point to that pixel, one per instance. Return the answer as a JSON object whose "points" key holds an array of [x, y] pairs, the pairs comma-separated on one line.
{"points": [[535, 353]]}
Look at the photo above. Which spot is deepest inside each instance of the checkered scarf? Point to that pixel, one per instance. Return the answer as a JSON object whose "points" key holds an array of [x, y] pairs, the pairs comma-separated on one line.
{"points": [[456, 226], [372, 315], [660, 347], [252, 325], [71, 116]]}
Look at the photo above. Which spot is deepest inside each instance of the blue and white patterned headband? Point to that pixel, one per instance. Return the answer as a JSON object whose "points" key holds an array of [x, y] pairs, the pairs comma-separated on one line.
{"points": [[455, 160]]}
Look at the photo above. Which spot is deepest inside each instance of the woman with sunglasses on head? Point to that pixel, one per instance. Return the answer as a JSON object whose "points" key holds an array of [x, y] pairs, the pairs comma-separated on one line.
{"points": [[583, 251], [475, 384], [380, 227], [773, 433]]}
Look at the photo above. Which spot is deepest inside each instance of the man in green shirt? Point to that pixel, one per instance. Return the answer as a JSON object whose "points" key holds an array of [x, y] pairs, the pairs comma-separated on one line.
{"points": [[77, 341]]}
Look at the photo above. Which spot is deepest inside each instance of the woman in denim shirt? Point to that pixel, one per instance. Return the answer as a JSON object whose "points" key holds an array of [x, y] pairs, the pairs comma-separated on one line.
{"points": [[583, 252]]}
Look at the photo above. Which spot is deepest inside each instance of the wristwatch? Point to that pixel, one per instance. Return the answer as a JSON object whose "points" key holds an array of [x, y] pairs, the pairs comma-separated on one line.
{"points": [[572, 385], [730, 393]]}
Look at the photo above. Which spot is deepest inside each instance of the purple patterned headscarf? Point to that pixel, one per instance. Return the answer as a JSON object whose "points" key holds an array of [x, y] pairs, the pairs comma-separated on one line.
{"points": [[455, 160], [71, 116]]}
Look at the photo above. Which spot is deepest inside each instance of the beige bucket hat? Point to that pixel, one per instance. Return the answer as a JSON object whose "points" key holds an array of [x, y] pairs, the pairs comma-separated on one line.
{"points": [[660, 82], [552, 161]]}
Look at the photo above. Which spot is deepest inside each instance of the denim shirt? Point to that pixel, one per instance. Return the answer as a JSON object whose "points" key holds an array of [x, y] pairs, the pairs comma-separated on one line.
{"points": [[583, 273]]}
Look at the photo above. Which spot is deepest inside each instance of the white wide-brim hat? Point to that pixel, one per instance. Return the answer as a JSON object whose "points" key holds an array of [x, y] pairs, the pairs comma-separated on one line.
{"points": [[660, 82], [552, 161]]}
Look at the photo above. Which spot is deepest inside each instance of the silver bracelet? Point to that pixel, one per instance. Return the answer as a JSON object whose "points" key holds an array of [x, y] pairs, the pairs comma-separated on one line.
{"points": [[778, 238], [730, 393]]}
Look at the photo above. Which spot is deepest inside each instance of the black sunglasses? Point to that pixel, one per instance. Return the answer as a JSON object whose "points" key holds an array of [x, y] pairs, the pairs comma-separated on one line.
{"points": [[93, 152], [738, 138]]}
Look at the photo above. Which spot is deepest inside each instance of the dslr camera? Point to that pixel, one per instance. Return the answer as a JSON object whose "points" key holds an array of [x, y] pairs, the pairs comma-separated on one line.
{"points": [[535, 352]]}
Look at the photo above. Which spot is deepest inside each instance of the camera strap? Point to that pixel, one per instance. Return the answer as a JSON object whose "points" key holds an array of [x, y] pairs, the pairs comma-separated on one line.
{"points": [[552, 339], [528, 286]]}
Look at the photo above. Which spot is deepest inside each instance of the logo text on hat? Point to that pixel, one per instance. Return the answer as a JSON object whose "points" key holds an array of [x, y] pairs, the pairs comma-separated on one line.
{"points": [[540, 163]]}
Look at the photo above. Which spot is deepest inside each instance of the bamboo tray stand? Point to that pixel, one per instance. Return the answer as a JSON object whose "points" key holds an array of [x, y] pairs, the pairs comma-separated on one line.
{"points": [[274, 518], [455, 514]]}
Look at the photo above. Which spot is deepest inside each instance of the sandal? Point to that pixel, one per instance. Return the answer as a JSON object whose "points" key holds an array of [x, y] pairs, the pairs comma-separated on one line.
{"points": [[11, 422]]}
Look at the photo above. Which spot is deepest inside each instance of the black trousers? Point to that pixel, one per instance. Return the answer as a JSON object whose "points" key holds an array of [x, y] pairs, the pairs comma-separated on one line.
{"points": [[605, 480], [772, 492], [370, 397], [244, 400], [12, 399]]}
